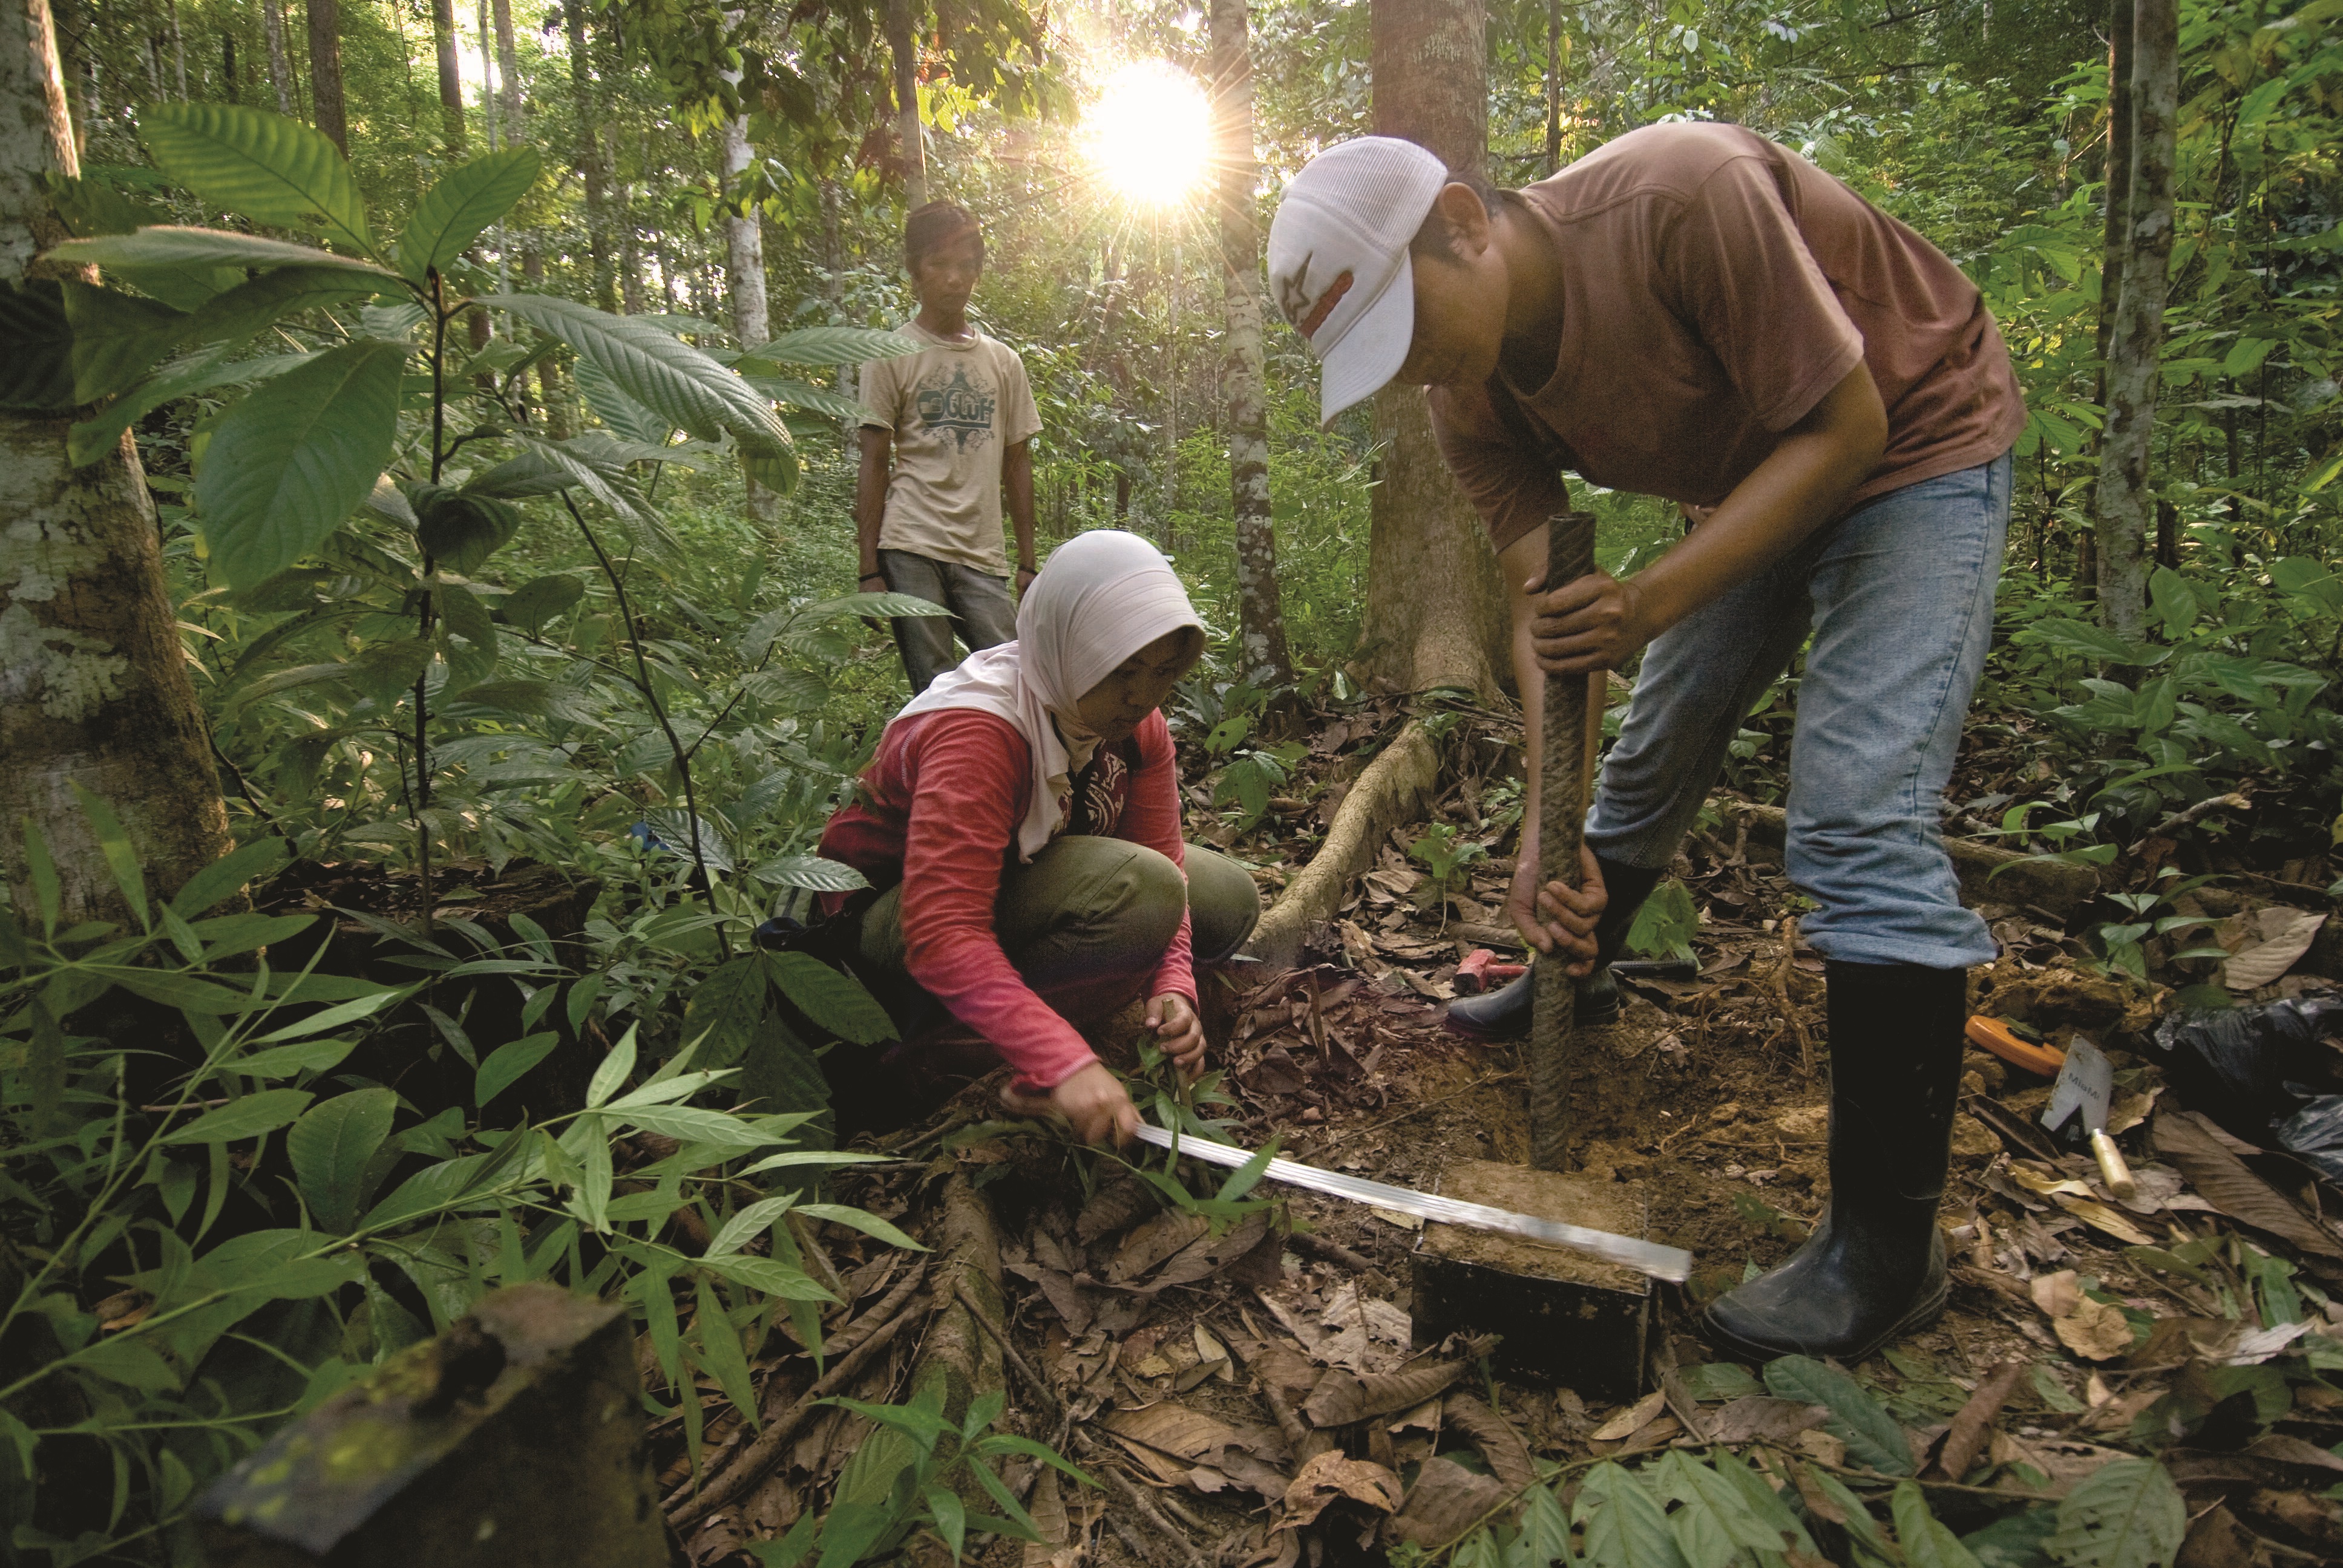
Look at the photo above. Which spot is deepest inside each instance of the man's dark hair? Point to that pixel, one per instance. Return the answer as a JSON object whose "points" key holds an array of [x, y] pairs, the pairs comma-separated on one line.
{"points": [[1436, 241], [936, 225]]}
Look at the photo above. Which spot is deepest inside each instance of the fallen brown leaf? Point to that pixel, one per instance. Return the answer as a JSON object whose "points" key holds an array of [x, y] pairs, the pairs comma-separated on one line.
{"points": [[2094, 1331], [1973, 1427], [1340, 1399], [2224, 1180], [1332, 1476], [1503, 1448], [1756, 1418], [1629, 1420], [1446, 1501]]}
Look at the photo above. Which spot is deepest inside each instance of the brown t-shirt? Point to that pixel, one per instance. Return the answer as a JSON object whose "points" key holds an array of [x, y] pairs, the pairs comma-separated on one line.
{"points": [[1715, 287]]}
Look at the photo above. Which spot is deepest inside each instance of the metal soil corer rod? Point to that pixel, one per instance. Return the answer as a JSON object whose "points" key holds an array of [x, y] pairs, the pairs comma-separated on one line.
{"points": [[1564, 771]]}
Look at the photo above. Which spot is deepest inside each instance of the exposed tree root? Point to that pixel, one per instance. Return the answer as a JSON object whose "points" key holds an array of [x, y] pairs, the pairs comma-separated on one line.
{"points": [[1393, 789]]}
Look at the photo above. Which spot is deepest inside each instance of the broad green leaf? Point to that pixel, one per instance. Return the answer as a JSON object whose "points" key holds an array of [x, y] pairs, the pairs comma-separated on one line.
{"points": [[804, 395], [1927, 1543], [2245, 354], [2080, 637], [691, 1123], [132, 1363], [467, 639], [724, 1010], [539, 600], [809, 871], [801, 1157], [2175, 603], [719, 1344], [1623, 1523], [246, 309], [172, 247], [771, 1276], [116, 337], [856, 1219], [38, 371], [96, 435], [334, 1016], [113, 842], [834, 1002], [505, 1065], [611, 1075], [292, 460], [669, 377], [92, 206], [829, 346], [779, 1077], [1870, 1434], [330, 1148], [284, 1060], [466, 200], [748, 1223], [2125, 1514], [621, 413], [247, 1118], [271, 169], [224, 876]]}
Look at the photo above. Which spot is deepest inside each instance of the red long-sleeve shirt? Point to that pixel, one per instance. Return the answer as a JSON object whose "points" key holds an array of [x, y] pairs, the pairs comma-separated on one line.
{"points": [[939, 811]]}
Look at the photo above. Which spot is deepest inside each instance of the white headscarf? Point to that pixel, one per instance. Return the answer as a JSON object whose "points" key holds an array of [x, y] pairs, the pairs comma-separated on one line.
{"points": [[1100, 599]]}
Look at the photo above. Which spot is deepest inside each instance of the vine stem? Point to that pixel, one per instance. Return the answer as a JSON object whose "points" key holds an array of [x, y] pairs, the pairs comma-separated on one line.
{"points": [[643, 684]]}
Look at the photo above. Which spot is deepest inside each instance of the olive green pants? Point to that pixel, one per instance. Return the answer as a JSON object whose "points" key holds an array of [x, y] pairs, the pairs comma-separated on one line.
{"points": [[1085, 923]]}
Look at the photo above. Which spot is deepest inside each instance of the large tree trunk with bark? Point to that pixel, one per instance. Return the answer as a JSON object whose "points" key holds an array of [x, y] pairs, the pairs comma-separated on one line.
{"points": [[93, 687], [508, 68], [325, 72], [1552, 86], [586, 104], [744, 260], [280, 69], [1436, 610], [1264, 660], [2126, 499], [905, 50], [451, 79]]}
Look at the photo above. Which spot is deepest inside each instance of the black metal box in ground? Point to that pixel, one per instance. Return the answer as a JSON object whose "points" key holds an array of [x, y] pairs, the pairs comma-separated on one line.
{"points": [[1566, 1318]]}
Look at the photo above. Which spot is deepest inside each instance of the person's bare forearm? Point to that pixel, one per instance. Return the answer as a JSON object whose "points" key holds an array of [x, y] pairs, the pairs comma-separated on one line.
{"points": [[1017, 472], [871, 498]]}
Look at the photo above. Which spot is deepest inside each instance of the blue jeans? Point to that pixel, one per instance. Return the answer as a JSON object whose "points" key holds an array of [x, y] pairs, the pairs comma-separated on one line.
{"points": [[1898, 599]]}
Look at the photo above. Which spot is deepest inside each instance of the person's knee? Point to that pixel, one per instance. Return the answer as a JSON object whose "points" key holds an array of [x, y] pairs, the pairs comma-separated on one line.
{"points": [[1224, 905], [1151, 896]]}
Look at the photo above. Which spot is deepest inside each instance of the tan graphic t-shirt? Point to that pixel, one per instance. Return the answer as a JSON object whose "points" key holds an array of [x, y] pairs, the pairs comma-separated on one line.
{"points": [[1716, 286], [956, 407]]}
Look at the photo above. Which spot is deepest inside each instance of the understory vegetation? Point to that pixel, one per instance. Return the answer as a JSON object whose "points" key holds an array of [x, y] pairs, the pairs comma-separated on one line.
{"points": [[517, 589]]}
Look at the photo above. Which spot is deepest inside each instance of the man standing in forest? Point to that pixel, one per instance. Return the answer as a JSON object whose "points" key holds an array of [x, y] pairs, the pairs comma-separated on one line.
{"points": [[1695, 313], [958, 416]]}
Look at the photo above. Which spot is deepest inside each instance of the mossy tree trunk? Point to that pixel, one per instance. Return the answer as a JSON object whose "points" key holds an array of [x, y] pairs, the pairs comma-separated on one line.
{"points": [[1261, 615], [94, 687], [2126, 489]]}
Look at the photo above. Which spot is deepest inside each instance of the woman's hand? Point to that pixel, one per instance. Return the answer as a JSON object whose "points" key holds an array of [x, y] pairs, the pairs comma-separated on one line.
{"points": [[1596, 622], [1178, 1032], [1557, 917], [1093, 1101]]}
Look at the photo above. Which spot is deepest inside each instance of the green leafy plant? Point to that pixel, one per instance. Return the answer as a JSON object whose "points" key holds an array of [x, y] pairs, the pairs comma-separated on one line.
{"points": [[1446, 855]]}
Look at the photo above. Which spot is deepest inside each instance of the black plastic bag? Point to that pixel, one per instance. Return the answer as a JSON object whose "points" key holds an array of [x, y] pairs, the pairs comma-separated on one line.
{"points": [[2247, 1066], [2315, 1132]]}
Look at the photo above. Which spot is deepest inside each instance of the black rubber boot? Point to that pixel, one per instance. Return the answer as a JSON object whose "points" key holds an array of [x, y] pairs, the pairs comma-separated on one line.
{"points": [[1873, 1270], [1505, 1014]]}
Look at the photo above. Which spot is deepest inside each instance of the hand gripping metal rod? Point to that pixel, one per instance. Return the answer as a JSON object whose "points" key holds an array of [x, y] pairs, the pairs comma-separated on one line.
{"points": [[1644, 1256]]}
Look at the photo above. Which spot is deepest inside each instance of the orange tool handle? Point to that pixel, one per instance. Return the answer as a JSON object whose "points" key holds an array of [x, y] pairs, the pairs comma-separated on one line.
{"points": [[1992, 1034]]}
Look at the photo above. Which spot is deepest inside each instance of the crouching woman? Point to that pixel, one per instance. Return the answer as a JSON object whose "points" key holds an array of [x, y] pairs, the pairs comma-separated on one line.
{"points": [[1022, 818]]}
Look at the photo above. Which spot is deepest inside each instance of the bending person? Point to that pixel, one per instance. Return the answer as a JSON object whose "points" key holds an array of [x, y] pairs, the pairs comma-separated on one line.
{"points": [[1022, 818]]}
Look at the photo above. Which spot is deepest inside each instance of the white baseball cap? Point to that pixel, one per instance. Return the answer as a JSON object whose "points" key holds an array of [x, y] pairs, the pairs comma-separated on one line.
{"points": [[1338, 261]]}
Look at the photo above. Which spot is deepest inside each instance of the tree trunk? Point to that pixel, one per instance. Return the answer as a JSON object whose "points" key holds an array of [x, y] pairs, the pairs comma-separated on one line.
{"points": [[1552, 86], [452, 80], [2116, 172], [1436, 610], [325, 72], [2127, 502], [1261, 618], [584, 102], [93, 687], [281, 72], [744, 259], [178, 49], [906, 103], [508, 68]]}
